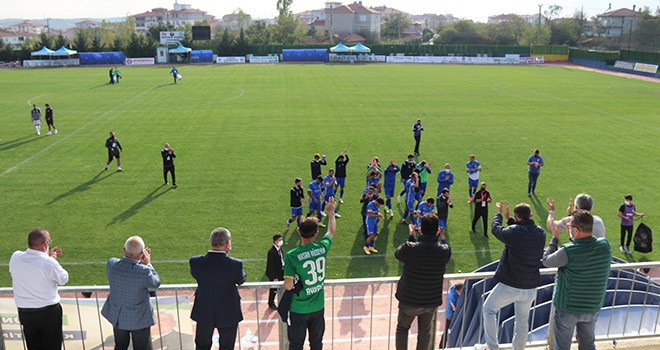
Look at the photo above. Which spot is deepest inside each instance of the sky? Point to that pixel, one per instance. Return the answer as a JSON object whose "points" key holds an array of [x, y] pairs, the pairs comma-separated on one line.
{"points": [[477, 10]]}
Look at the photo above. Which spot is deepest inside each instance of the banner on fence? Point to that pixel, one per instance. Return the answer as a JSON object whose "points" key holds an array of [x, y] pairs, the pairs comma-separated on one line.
{"points": [[624, 65], [645, 67], [230, 60], [140, 61], [51, 63], [513, 59], [264, 59], [356, 58]]}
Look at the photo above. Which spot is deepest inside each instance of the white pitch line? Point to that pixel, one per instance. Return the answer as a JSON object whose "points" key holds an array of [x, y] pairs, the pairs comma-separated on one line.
{"points": [[92, 122], [182, 261]]}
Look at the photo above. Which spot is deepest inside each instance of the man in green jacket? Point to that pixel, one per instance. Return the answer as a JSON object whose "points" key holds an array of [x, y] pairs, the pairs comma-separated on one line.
{"points": [[584, 268]]}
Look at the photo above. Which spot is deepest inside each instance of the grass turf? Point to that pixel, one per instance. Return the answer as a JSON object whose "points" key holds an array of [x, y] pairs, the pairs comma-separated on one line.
{"points": [[243, 133]]}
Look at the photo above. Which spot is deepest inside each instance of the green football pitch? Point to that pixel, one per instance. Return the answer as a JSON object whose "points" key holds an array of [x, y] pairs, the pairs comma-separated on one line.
{"points": [[243, 133]]}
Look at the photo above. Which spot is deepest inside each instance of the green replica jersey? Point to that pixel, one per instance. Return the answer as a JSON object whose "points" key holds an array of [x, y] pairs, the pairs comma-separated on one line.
{"points": [[308, 262]]}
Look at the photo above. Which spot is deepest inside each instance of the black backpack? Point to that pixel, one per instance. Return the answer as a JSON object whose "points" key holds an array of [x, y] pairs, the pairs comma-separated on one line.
{"points": [[643, 239]]}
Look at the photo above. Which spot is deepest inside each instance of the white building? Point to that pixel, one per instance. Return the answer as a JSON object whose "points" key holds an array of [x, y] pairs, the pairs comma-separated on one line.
{"points": [[16, 40], [27, 27], [615, 23], [181, 15]]}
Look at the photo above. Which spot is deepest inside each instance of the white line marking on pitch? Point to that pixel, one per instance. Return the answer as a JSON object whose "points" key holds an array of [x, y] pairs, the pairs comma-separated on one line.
{"points": [[90, 123]]}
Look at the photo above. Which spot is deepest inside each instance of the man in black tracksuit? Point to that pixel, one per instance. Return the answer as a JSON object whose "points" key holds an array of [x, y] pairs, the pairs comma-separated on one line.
{"points": [[481, 199], [407, 168], [168, 163], [114, 148], [316, 165]]}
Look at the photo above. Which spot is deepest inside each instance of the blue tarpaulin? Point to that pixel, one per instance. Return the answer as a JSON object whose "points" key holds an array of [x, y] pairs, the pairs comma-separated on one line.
{"points": [[92, 58]]}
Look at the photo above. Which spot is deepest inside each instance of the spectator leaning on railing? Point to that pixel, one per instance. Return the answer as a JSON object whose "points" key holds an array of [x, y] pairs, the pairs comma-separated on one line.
{"points": [[584, 268], [419, 290], [35, 274], [517, 273]]}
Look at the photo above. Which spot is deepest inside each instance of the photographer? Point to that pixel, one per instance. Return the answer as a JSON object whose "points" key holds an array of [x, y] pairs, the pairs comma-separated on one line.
{"points": [[168, 163]]}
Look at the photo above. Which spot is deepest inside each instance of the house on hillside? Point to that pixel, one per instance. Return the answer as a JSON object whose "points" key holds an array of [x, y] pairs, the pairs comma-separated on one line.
{"points": [[181, 15], [617, 22], [87, 24], [16, 40], [27, 26], [353, 18]]}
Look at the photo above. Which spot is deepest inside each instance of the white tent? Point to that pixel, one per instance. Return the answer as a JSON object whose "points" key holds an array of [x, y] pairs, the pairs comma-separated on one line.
{"points": [[359, 48], [180, 49], [340, 48]]}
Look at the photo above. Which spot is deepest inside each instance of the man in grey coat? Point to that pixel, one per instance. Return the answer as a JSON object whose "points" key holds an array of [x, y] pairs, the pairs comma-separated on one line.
{"points": [[128, 308]]}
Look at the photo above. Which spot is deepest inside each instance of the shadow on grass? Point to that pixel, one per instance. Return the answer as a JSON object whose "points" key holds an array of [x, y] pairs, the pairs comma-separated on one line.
{"points": [[100, 86], [5, 146], [128, 213], [481, 248], [83, 187], [540, 208]]}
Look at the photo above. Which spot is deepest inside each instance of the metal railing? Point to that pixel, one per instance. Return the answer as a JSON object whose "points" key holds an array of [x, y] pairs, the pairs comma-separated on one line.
{"points": [[359, 313]]}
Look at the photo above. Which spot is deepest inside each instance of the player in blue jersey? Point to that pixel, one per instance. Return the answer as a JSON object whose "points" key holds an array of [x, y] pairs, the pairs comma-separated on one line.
{"points": [[329, 186], [314, 193], [473, 168], [424, 208], [390, 183], [371, 222], [296, 201], [445, 179], [411, 186]]}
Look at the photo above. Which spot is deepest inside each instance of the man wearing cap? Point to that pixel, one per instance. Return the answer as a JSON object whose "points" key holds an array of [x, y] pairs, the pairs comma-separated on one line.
{"points": [[535, 162]]}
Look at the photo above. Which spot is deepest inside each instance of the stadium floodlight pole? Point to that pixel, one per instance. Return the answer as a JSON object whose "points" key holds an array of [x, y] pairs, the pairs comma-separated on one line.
{"points": [[538, 31]]}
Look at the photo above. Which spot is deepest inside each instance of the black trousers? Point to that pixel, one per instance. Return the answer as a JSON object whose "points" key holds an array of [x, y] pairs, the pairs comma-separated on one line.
{"points": [[171, 170], [418, 139], [42, 327], [300, 323], [204, 337], [626, 230], [141, 338], [480, 213]]}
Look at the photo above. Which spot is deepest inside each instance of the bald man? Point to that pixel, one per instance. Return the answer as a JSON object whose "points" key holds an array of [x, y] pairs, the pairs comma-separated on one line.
{"points": [[128, 308], [35, 275]]}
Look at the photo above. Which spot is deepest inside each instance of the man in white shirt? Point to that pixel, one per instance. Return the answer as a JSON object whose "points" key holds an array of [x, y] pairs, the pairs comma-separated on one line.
{"points": [[582, 202], [37, 300]]}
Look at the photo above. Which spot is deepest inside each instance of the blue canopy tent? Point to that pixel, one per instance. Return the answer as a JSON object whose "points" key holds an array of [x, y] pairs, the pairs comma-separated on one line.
{"points": [[63, 51], [43, 52], [340, 48], [180, 54], [359, 48]]}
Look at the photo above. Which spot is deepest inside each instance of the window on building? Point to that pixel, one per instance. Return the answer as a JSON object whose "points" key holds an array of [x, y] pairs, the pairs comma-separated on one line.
{"points": [[363, 18]]}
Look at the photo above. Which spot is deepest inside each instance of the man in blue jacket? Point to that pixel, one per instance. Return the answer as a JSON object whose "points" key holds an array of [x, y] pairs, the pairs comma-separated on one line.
{"points": [[128, 308], [217, 302], [517, 273]]}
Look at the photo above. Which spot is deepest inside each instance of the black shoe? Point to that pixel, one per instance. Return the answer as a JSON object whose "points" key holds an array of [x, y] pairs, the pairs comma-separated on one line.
{"points": [[174, 186], [167, 183], [272, 306]]}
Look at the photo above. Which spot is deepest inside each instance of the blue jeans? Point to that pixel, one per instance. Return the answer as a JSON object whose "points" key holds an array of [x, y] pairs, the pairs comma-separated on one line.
{"points": [[531, 185], [565, 324], [501, 296]]}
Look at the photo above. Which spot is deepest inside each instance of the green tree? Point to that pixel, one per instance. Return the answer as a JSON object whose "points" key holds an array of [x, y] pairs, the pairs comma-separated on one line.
{"points": [[257, 33], [287, 30], [97, 41], [506, 33], [226, 44], [45, 40], [242, 47], [461, 32], [284, 7], [394, 25], [427, 35], [60, 41], [565, 31], [82, 40]]}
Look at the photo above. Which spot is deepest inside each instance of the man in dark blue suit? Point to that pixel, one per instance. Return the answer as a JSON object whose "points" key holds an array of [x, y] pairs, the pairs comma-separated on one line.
{"points": [[217, 302]]}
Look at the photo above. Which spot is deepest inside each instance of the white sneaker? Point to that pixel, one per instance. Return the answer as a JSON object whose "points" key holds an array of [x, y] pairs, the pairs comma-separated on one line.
{"points": [[106, 167], [38, 133], [55, 131], [324, 214], [628, 250], [341, 200], [337, 215], [119, 168], [49, 133], [391, 214], [622, 249], [398, 199]]}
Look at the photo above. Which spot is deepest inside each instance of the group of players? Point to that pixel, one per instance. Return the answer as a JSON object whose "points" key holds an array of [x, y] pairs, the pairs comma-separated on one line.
{"points": [[35, 114], [378, 179]]}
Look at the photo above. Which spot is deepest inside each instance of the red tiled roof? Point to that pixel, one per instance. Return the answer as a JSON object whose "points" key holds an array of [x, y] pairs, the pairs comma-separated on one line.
{"points": [[12, 34], [620, 13], [149, 14], [358, 8], [340, 9], [354, 38]]}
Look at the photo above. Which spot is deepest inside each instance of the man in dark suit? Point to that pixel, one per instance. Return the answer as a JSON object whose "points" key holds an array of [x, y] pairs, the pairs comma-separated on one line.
{"points": [[128, 308], [217, 302], [275, 267]]}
